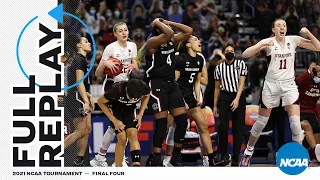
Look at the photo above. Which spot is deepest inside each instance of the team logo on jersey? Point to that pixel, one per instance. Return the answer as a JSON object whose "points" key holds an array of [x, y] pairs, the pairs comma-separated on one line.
{"points": [[276, 48], [117, 55], [155, 106], [187, 64], [198, 63], [288, 45]]}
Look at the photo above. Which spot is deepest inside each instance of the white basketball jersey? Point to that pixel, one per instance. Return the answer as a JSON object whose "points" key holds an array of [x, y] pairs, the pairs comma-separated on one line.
{"points": [[281, 65], [124, 54]]}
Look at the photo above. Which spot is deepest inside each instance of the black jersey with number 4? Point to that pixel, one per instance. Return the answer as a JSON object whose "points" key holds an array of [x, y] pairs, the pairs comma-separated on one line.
{"points": [[118, 96], [161, 64], [189, 68]]}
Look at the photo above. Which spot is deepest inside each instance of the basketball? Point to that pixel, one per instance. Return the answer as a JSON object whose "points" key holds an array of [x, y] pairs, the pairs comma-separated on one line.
{"points": [[117, 71]]}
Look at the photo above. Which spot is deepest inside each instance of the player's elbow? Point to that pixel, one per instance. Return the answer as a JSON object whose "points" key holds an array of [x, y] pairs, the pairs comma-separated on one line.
{"points": [[189, 31], [245, 54]]}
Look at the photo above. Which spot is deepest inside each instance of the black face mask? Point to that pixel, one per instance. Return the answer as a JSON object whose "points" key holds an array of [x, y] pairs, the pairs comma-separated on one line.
{"points": [[229, 56]]}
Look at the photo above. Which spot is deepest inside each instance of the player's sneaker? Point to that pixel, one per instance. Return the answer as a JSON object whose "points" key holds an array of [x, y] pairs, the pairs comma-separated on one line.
{"points": [[149, 160], [166, 160], [317, 151], [220, 160], [245, 160], [79, 163], [157, 162], [175, 162], [124, 162], [99, 161], [205, 161]]}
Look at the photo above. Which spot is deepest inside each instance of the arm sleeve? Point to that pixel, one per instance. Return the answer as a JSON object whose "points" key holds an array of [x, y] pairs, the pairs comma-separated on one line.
{"points": [[217, 73], [300, 79], [243, 69]]}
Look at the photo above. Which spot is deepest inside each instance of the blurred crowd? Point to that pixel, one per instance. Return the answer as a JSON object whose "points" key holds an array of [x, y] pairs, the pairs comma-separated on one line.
{"points": [[213, 25]]}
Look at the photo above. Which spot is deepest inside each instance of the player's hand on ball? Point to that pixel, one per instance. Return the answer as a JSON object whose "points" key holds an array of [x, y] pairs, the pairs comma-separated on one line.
{"points": [[305, 31], [111, 65], [129, 67], [119, 125]]}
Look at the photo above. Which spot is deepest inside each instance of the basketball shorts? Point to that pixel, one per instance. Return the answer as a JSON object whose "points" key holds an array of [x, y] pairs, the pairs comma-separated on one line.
{"points": [[75, 104], [189, 98], [165, 95], [203, 105], [312, 119], [273, 92], [126, 116]]}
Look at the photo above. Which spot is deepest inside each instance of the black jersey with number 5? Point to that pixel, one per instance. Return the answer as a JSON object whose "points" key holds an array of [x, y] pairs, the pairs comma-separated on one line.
{"points": [[189, 68], [161, 64]]}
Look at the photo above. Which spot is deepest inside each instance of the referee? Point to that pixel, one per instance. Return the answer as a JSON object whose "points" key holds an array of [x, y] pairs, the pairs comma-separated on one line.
{"points": [[229, 77]]}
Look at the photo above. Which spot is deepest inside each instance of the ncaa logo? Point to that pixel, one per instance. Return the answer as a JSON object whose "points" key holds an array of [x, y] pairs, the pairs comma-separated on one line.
{"points": [[293, 158]]}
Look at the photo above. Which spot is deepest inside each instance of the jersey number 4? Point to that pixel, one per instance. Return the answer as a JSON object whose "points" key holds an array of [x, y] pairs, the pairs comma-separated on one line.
{"points": [[283, 64], [169, 62]]}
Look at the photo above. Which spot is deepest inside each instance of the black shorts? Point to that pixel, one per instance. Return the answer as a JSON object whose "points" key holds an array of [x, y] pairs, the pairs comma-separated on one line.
{"points": [[126, 116], [189, 98], [312, 119], [165, 95], [75, 104]]}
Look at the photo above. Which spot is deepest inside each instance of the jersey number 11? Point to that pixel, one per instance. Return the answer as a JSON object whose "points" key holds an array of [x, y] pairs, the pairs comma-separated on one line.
{"points": [[283, 64]]}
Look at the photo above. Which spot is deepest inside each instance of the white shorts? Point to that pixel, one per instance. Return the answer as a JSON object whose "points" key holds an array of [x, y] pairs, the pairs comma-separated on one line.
{"points": [[273, 92]]}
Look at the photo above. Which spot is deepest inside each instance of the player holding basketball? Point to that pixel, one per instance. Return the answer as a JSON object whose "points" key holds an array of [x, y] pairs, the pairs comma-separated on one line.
{"points": [[126, 52], [165, 93], [123, 97], [79, 102], [309, 89], [279, 81]]}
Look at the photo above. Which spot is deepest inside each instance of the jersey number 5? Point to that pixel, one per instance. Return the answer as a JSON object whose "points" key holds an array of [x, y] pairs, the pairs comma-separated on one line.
{"points": [[283, 64], [191, 77]]}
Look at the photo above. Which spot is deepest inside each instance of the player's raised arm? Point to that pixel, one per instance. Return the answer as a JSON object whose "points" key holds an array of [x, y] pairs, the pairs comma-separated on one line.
{"points": [[257, 48], [166, 34], [313, 44]]}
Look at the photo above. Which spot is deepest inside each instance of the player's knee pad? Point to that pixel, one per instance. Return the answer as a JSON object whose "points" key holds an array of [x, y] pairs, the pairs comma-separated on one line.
{"points": [[182, 124], [135, 156], [296, 130], [259, 125], [170, 135], [160, 132]]}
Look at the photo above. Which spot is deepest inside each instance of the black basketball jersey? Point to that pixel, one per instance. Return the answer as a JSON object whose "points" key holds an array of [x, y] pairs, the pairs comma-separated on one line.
{"points": [[118, 96], [189, 68], [79, 62], [161, 64]]}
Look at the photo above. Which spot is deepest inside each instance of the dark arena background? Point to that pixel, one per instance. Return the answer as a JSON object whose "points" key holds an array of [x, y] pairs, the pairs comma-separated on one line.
{"points": [[243, 22]]}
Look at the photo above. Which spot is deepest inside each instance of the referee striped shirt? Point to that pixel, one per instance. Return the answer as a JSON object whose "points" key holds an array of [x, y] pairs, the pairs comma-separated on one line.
{"points": [[229, 74]]}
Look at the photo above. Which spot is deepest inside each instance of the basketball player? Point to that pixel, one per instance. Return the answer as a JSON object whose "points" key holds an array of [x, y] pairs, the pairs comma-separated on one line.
{"points": [[165, 93], [279, 82], [190, 64], [126, 52], [79, 102], [123, 97], [309, 93]]}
